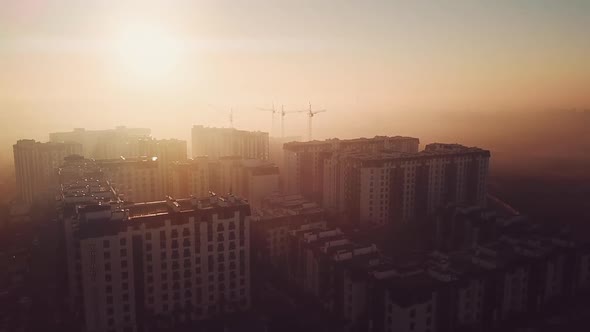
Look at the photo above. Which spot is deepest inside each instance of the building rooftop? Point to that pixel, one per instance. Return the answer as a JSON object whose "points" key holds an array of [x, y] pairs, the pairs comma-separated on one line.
{"points": [[335, 142]]}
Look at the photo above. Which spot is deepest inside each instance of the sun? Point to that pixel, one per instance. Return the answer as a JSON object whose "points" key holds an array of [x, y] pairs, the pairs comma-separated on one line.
{"points": [[147, 51]]}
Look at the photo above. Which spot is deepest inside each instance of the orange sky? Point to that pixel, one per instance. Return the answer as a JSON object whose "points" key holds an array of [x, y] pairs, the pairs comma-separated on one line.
{"points": [[361, 60]]}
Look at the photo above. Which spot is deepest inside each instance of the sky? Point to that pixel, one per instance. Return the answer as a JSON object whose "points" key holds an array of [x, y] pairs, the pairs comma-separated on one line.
{"points": [[98, 64]]}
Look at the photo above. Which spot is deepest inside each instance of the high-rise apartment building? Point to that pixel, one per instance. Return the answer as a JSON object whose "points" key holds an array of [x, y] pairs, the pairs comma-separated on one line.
{"points": [[223, 142], [105, 144], [304, 161], [136, 179], [191, 178], [36, 166], [279, 215], [82, 183], [253, 179], [375, 188], [182, 259], [167, 151]]}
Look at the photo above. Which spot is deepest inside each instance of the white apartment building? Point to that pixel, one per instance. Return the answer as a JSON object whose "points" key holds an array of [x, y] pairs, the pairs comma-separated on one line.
{"points": [[36, 166], [223, 142], [376, 188], [304, 161], [184, 259]]}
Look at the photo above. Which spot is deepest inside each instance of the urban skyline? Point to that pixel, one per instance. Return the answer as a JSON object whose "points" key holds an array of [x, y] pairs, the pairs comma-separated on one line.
{"points": [[320, 166]]}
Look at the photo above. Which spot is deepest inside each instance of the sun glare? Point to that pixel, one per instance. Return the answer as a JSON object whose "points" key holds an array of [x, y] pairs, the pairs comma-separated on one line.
{"points": [[147, 51]]}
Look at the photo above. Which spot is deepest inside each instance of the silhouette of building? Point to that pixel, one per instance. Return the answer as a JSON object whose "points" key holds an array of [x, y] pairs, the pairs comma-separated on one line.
{"points": [[167, 151], [105, 144], [82, 182], [304, 161], [223, 142], [376, 187], [253, 179], [191, 178], [277, 153], [36, 166], [271, 224], [135, 179]]}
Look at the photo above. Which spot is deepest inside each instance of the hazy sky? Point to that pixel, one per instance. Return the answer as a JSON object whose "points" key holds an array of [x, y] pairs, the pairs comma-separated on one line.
{"points": [[59, 67]]}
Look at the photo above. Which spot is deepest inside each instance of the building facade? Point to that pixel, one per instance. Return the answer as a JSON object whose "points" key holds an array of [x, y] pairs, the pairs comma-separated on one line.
{"points": [[253, 179], [135, 179], [161, 262], [375, 188], [272, 223], [36, 166], [191, 178], [223, 142], [105, 144], [304, 161]]}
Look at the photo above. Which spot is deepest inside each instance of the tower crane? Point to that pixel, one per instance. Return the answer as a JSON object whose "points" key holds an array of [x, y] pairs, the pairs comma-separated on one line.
{"points": [[311, 113], [283, 113], [230, 113], [272, 115]]}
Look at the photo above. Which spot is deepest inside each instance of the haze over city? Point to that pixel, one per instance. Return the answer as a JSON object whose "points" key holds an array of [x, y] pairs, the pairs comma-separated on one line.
{"points": [[103, 64], [294, 165]]}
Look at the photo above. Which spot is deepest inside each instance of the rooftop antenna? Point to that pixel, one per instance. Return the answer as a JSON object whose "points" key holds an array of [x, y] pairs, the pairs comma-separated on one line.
{"points": [[230, 113]]}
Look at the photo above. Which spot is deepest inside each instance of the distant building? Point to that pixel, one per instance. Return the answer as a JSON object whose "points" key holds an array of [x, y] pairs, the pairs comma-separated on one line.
{"points": [[191, 178], [304, 161], [223, 142], [167, 151], [105, 144], [277, 154], [252, 179], [36, 166], [377, 187], [136, 179]]}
